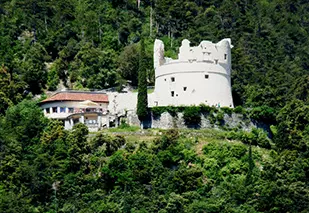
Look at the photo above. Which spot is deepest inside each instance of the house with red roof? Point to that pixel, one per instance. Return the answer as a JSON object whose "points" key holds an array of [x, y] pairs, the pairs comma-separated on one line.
{"points": [[72, 107]]}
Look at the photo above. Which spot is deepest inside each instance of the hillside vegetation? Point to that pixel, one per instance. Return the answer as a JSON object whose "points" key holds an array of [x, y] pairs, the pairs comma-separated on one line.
{"points": [[95, 45], [47, 169]]}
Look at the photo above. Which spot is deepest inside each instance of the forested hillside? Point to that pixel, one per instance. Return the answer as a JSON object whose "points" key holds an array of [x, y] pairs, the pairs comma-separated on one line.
{"points": [[47, 169], [93, 44]]}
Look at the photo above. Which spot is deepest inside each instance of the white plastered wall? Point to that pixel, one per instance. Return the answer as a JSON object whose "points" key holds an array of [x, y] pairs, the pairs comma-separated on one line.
{"points": [[212, 60], [121, 102], [66, 105]]}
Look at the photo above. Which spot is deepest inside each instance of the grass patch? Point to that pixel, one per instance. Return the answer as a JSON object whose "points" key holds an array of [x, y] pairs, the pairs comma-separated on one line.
{"points": [[124, 129], [149, 91], [140, 138]]}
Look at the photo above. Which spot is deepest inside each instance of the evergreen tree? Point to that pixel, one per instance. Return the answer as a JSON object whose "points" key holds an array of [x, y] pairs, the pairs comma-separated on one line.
{"points": [[33, 68], [142, 102]]}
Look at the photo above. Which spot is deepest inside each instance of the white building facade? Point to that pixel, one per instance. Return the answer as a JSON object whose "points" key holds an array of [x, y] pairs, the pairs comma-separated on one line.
{"points": [[74, 107], [200, 75]]}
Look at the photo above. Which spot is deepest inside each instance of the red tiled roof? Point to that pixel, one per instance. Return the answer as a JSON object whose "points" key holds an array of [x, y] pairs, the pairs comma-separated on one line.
{"points": [[78, 96]]}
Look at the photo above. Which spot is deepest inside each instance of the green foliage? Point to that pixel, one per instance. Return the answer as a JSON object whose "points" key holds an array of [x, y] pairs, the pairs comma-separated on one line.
{"points": [[269, 57], [256, 137], [227, 110], [52, 79], [11, 89], [239, 109], [220, 118], [129, 63], [25, 121], [263, 113], [142, 98], [68, 171], [33, 68], [206, 109], [192, 115], [44, 168], [110, 144], [157, 111], [292, 128], [173, 110], [123, 124], [76, 140]]}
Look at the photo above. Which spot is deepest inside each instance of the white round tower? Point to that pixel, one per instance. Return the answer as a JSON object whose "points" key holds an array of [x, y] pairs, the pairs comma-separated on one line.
{"points": [[200, 75]]}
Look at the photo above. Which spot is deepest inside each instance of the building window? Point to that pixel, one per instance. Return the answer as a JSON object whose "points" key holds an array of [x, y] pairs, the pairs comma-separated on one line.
{"points": [[47, 110], [216, 61], [75, 121], [206, 76], [225, 56], [164, 79], [71, 110], [173, 79], [184, 88], [62, 109], [172, 93], [54, 109]]}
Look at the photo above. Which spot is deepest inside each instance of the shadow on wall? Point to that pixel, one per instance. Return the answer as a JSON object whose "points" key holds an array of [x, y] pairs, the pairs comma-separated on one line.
{"points": [[147, 123]]}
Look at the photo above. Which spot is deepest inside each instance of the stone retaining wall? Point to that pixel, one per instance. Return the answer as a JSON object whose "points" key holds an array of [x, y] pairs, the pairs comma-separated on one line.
{"points": [[166, 121]]}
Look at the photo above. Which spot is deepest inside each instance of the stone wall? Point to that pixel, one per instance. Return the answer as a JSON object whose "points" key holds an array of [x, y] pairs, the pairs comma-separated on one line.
{"points": [[166, 121]]}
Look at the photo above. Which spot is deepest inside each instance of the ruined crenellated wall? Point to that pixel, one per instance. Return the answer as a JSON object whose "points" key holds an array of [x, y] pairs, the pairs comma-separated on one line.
{"points": [[201, 74]]}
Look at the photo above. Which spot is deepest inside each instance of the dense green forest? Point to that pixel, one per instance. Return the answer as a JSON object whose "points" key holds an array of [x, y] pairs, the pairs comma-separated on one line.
{"points": [[95, 45], [45, 168]]}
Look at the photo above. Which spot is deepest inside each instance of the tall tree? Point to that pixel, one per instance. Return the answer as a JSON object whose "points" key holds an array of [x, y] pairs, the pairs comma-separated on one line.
{"points": [[142, 102], [33, 68]]}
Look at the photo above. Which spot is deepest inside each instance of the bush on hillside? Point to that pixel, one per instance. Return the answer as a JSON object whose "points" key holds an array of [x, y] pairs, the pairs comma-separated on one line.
{"points": [[192, 115]]}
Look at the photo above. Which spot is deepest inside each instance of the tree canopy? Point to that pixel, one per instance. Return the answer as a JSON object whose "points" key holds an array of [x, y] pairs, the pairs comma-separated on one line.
{"points": [[93, 44], [44, 168]]}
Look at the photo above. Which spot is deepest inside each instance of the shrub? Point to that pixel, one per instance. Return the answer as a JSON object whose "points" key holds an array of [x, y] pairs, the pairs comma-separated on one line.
{"points": [[123, 124], [220, 118], [255, 137], [157, 111], [239, 110], [169, 138], [172, 110], [227, 110], [53, 79], [111, 143], [264, 113], [192, 115], [205, 108]]}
